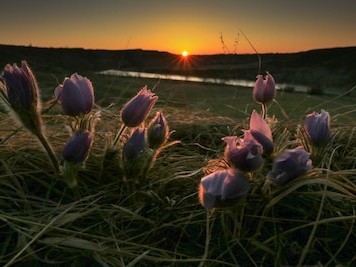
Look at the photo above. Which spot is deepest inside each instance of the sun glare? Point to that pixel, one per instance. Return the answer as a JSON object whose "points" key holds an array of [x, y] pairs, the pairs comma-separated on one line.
{"points": [[185, 53]]}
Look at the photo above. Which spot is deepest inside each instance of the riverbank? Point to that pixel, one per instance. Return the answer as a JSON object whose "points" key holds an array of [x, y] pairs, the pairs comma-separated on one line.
{"points": [[240, 83]]}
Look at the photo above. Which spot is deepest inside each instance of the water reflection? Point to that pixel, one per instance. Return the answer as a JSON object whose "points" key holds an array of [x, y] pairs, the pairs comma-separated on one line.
{"points": [[243, 83]]}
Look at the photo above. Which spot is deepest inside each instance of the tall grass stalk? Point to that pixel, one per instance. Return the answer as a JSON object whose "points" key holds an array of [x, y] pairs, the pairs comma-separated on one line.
{"points": [[207, 240], [317, 219]]}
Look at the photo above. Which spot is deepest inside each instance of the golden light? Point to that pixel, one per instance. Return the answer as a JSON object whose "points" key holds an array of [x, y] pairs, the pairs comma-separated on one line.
{"points": [[185, 53]]}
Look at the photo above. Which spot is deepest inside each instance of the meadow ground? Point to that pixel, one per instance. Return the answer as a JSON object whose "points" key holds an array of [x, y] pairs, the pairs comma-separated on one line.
{"points": [[103, 222]]}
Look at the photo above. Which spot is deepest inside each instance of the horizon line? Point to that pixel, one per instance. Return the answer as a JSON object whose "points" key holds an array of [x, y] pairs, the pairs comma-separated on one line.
{"points": [[162, 51]]}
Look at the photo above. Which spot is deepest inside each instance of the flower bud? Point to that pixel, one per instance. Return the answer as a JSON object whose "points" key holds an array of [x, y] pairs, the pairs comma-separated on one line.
{"points": [[135, 145], [246, 156], [289, 165], [21, 92], [76, 95], [264, 90], [77, 148], [157, 131], [317, 127], [221, 187], [261, 132], [137, 157], [136, 110]]}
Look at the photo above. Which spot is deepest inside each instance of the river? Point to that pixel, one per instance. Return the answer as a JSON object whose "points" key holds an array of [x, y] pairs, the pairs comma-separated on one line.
{"points": [[243, 83]]}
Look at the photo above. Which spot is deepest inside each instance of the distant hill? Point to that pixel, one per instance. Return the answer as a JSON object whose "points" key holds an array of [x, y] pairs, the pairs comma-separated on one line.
{"points": [[326, 68]]}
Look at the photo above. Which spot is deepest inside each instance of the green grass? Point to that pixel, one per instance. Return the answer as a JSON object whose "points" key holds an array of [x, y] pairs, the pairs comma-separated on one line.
{"points": [[309, 221]]}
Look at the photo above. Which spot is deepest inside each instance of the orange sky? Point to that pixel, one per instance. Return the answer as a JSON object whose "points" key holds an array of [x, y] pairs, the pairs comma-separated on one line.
{"points": [[174, 26]]}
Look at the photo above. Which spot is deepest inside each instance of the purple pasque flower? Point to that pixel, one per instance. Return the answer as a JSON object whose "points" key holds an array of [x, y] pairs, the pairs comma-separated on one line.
{"points": [[21, 87], [20, 91], [222, 187], [244, 154], [77, 148], [135, 145], [317, 127], [137, 157], [261, 132], [136, 110], [76, 95], [289, 165], [264, 89], [157, 131]]}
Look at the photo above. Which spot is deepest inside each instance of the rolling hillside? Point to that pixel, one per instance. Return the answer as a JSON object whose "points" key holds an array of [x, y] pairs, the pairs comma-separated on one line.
{"points": [[325, 68]]}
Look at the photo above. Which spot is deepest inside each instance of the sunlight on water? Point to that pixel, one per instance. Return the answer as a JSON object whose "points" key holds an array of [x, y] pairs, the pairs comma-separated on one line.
{"points": [[243, 83]]}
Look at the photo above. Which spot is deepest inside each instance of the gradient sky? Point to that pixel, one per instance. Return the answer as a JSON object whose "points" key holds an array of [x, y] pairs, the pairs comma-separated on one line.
{"points": [[173, 26]]}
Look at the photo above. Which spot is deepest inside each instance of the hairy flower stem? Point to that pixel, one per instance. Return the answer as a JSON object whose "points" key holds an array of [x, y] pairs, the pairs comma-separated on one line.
{"points": [[110, 153], [117, 137], [107, 162], [49, 150], [70, 173], [264, 111]]}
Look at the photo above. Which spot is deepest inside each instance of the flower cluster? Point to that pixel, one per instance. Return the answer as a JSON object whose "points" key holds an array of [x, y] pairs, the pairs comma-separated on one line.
{"points": [[247, 154], [144, 143], [243, 155], [140, 142], [76, 96], [138, 149], [140, 145]]}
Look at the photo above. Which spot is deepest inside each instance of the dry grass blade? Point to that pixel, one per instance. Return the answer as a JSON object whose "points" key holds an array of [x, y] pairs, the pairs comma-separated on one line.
{"points": [[37, 236]]}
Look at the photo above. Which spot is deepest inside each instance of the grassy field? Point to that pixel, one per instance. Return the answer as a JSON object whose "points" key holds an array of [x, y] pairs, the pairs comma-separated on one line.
{"points": [[103, 222]]}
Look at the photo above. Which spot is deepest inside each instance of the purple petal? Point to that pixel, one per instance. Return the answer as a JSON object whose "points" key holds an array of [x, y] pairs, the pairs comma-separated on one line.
{"points": [[77, 148], [76, 95], [135, 145], [230, 140], [222, 186], [136, 110], [86, 89], [289, 165], [58, 92], [235, 185], [246, 156], [260, 125], [258, 89], [317, 127], [270, 88]]}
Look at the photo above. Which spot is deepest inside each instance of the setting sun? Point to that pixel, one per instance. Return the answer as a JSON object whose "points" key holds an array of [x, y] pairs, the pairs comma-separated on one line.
{"points": [[185, 53]]}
